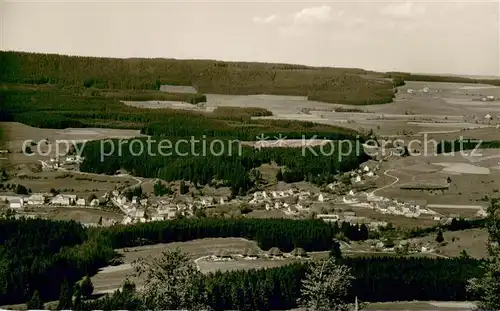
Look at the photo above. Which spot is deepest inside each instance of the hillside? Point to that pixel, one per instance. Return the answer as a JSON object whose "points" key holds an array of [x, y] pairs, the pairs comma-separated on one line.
{"points": [[333, 85]]}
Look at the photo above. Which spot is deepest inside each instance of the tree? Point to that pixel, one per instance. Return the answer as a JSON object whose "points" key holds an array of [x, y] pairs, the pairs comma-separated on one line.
{"points": [[4, 175], [91, 198], [487, 287], [335, 251], [439, 236], [183, 188], [65, 297], [86, 287], [35, 303], [325, 286], [172, 281], [279, 175], [20, 189]]}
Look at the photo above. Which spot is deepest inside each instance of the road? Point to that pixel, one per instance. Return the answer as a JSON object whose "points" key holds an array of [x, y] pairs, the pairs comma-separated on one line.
{"points": [[386, 173]]}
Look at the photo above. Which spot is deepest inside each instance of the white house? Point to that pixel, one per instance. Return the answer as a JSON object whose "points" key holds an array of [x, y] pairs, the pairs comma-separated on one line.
{"points": [[16, 203], [222, 201], [121, 199], [80, 202], [36, 199], [60, 200], [135, 199], [157, 218], [94, 202], [488, 117], [321, 198], [366, 169], [144, 202], [357, 178]]}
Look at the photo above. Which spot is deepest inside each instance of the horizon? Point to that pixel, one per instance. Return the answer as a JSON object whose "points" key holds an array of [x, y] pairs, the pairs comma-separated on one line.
{"points": [[407, 36], [264, 62]]}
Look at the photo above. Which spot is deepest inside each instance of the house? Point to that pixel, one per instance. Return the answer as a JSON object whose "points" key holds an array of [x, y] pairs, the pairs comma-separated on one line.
{"points": [[16, 203], [488, 117], [410, 91], [366, 169], [157, 218], [127, 220], [81, 202], [138, 213], [222, 201], [135, 199], [320, 197], [328, 217], [206, 201], [94, 202], [144, 202], [357, 178], [60, 200], [121, 199], [36, 199], [70, 197]]}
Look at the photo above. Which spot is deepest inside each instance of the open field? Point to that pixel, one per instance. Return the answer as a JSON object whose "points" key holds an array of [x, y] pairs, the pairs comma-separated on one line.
{"points": [[17, 134], [112, 277], [473, 241], [470, 181], [421, 305], [447, 107], [83, 215], [82, 185]]}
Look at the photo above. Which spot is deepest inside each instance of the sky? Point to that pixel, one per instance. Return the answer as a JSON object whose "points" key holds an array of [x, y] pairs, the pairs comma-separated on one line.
{"points": [[447, 37]]}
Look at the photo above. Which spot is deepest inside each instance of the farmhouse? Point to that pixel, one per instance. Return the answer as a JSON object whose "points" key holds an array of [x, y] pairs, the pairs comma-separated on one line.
{"points": [[60, 200], [36, 199], [16, 203]]}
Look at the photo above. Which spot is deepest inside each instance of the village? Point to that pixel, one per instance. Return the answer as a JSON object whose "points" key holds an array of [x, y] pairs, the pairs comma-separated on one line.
{"points": [[334, 203]]}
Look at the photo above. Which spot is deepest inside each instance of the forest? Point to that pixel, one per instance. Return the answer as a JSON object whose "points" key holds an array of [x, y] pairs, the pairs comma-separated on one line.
{"points": [[376, 279], [435, 78], [230, 164], [448, 146], [34, 251], [332, 85]]}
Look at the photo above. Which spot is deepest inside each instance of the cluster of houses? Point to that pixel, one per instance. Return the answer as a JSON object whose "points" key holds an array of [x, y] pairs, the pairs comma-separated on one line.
{"points": [[252, 254], [143, 210], [41, 199], [385, 205], [290, 201], [55, 163]]}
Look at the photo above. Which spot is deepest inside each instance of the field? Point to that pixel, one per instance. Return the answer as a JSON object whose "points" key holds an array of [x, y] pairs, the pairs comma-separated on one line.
{"points": [[79, 184], [472, 179], [421, 305], [17, 134], [473, 241], [112, 277]]}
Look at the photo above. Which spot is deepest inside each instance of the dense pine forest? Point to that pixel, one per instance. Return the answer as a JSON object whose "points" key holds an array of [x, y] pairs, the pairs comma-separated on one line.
{"points": [[465, 144], [436, 78], [229, 164], [34, 251], [333, 85]]}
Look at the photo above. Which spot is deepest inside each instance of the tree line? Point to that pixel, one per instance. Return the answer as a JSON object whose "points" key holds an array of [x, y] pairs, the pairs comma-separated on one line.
{"points": [[448, 146], [375, 279]]}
